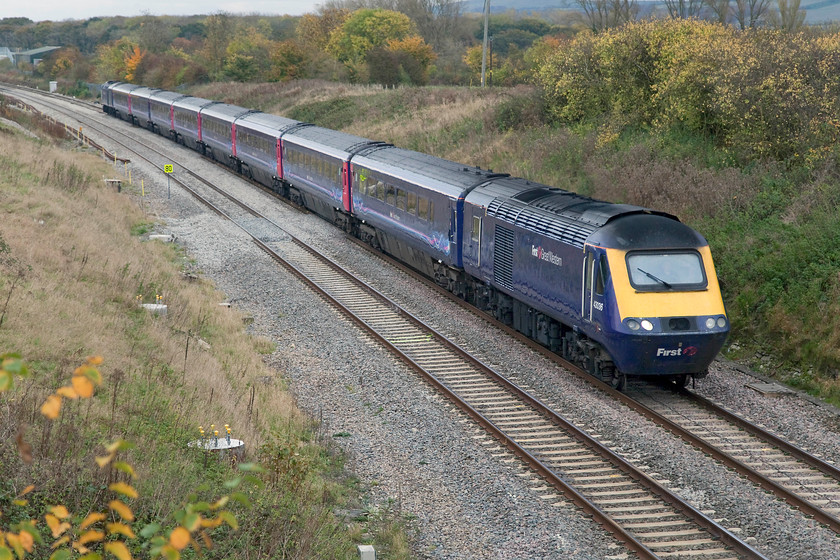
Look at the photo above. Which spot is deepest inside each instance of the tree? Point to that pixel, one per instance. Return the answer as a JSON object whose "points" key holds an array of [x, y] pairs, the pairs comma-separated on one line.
{"points": [[316, 29], [401, 61], [604, 14], [112, 59], [219, 30], [720, 8], [363, 31], [248, 55], [684, 8], [749, 13], [288, 62], [787, 17], [154, 34]]}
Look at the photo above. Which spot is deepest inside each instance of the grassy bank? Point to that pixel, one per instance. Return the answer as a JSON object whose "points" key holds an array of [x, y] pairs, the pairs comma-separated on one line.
{"points": [[74, 267], [772, 227]]}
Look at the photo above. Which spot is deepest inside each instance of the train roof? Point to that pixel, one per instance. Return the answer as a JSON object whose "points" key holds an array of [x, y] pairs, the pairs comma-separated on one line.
{"points": [[560, 214], [166, 96], [332, 142], [124, 87], [430, 172], [223, 111], [266, 123], [647, 231], [192, 103], [143, 92]]}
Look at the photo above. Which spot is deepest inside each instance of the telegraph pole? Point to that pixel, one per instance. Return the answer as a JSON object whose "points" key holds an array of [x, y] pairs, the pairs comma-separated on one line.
{"points": [[484, 48]]}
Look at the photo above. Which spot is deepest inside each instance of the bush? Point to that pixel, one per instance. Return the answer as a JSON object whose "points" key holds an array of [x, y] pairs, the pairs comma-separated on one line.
{"points": [[760, 93]]}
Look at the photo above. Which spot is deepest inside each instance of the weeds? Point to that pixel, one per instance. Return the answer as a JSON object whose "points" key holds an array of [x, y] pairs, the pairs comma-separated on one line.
{"points": [[78, 296]]}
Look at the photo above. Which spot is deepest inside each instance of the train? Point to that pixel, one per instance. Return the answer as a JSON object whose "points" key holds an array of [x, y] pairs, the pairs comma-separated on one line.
{"points": [[621, 290]]}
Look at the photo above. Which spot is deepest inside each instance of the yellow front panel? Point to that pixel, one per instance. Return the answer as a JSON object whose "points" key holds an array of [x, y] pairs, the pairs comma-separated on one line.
{"points": [[664, 304]]}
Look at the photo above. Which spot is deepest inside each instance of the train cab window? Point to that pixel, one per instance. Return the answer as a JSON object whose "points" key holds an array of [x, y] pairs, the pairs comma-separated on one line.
{"points": [[412, 203], [601, 276], [423, 208], [476, 228], [660, 271], [401, 199]]}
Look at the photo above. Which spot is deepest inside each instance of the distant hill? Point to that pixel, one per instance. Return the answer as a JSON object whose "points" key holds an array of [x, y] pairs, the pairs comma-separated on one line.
{"points": [[819, 11]]}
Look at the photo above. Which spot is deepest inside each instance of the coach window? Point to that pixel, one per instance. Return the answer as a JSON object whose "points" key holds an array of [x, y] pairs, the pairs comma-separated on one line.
{"points": [[412, 203], [423, 208], [401, 199], [390, 195]]}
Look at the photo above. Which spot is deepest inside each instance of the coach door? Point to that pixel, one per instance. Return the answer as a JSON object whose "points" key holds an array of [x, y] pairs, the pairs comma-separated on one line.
{"points": [[475, 239], [594, 284]]}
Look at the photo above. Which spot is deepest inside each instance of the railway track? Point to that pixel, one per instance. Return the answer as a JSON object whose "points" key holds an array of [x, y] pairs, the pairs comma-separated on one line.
{"points": [[648, 518], [806, 482]]}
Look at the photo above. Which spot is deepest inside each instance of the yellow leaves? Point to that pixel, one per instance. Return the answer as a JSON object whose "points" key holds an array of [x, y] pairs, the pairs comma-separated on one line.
{"points": [[60, 512], [179, 538], [120, 529], [85, 379], [82, 386], [132, 61], [51, 407], [118, 549], [91, 519], [91, 536], [26, 541], [67, 392], [57, 526], [124, 489], [122, 510]]}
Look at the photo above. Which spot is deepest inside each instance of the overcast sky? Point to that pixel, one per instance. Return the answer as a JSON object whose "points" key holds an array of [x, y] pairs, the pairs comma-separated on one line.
{"points": [[57, 10]]}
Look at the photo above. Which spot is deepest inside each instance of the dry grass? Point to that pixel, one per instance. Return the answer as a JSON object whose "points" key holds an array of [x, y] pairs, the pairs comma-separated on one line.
{"points": [[74, 271]]}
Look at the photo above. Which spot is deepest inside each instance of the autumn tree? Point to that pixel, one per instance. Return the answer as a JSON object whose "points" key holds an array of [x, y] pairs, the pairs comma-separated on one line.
{"points": [[366, 30], [606, 14], [219, 29], [684, 8], [112, 60], [749, 13], [288, 62], [315, 29], [401, 61], [247, 56], [787, 16], [154, 34]]}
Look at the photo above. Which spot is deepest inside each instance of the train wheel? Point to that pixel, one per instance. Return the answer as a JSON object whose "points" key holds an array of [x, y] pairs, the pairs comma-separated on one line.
{"points": [[681, 380], [617, 380]]}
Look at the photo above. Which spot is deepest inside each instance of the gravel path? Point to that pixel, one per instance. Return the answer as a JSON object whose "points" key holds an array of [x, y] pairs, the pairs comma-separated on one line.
{"points": [[425, 460]]}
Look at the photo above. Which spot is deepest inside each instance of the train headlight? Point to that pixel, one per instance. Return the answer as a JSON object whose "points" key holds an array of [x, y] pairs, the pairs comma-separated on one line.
{"points": [[710, 323], [721, 322], [647, 325], [633, 325]]}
